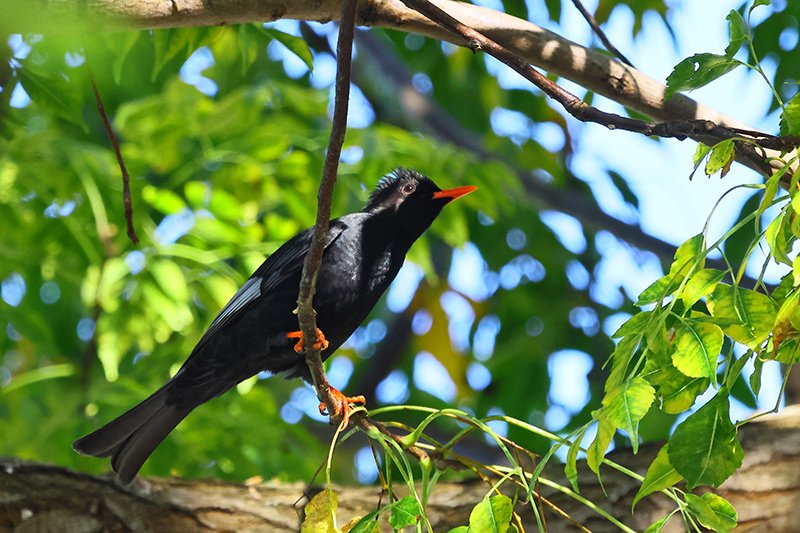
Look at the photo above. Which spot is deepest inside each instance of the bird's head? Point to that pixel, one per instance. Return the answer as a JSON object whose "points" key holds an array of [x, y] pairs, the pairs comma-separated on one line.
{"points": [[411, 200]]}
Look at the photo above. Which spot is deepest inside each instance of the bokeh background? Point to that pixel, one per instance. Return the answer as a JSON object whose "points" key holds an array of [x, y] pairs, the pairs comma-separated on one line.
{"points": [[505, 307]]}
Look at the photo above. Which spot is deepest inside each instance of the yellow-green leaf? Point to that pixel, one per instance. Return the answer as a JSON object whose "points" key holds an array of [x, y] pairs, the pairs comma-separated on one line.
{"points": [[171, 280], [571, 465], [748, 315], [320, 512], [627, 403], [714, 512], [721, 156], [676, 391], [491, 515], [779, 236], [597, 450], [701, 284], [697, 345], [686, 255]]}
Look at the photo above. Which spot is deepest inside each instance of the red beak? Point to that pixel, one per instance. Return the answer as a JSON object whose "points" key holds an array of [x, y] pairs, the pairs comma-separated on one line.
{"points": [[457, 192]]}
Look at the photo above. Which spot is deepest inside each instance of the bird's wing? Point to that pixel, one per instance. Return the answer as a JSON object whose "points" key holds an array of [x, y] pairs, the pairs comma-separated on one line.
{"points": [[281, 265]]}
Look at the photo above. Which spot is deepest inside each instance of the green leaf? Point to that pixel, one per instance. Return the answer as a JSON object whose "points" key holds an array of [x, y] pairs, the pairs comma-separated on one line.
{"points": [[656, 527], [405, 512], [697, 346], [38, 374], [620, 358], [779, 236], [171, 280], [635, 324], [722, 155], [296, 45], [759, 3], [320, 512], [697, 71], [752, 313], [627, 403], [713, 511], [790, 117], [491, 515], [48, 88], [704, 448], [661, 288], [687, 254], [459, 529], [571, 465], [197, 193], [738, 32], [755, 377], [678, 396], [125, 46], [164, 200], [771, 188], [736, 370], [660, 475], [225, 206], [700, 152], [676, 391], [701, 284], [366, 524], [597, 450]]}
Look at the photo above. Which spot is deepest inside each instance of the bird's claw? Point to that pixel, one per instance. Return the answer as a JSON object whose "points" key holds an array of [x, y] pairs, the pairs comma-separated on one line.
{"points": [[342, 405], [320, 344]]}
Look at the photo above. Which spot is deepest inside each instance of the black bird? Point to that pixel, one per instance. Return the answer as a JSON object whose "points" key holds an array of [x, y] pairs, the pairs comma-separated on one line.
{"points": [[255, 330]]}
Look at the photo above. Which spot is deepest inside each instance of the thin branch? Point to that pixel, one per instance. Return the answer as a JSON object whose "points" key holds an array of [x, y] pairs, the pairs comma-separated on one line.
{"points": [[126, 179], [308, 282], [305, 311], [679, 129], [600, 33]]}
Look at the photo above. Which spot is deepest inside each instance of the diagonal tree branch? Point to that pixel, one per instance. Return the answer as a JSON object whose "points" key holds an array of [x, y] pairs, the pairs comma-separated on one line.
{"points": [[699, 130], [592, 69]]}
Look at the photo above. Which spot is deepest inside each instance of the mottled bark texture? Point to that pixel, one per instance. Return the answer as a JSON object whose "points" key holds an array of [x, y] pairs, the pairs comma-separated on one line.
{"points": [[37, 497]]}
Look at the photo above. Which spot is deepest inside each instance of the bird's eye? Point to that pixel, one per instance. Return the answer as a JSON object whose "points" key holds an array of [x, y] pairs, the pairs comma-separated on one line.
{"points": [[409, 188]]}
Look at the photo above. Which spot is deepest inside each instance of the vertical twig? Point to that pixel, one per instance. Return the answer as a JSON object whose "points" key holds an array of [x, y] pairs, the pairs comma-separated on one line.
{"points": [[126, 180], [305, 311], [600, 33]]}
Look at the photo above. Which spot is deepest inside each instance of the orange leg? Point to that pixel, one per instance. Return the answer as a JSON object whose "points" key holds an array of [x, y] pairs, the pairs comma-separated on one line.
{"points": [[320, 344], [342, 405]]}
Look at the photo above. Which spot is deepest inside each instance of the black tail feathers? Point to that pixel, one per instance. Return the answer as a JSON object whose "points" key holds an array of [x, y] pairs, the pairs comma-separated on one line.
{"points": [[131, 438]]}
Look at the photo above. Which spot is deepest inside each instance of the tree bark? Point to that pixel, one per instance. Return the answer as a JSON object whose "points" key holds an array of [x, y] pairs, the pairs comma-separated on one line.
{"points": [[589, 68], [37, 497]]}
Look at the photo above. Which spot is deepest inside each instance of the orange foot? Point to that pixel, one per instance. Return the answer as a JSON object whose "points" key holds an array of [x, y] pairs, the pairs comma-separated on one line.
{"points": [[320, 344], [342, 405]]}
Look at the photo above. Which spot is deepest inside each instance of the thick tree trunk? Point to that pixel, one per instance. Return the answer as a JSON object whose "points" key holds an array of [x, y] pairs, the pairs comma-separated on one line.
{"points": [[36, 497]]}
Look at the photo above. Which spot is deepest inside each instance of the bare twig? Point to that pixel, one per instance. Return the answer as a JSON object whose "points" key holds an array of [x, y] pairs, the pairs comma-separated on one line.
{"points": [[126, 179], [600, 33], [308, 282], [679, 129], [305, 310]]}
